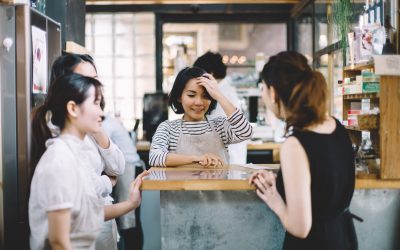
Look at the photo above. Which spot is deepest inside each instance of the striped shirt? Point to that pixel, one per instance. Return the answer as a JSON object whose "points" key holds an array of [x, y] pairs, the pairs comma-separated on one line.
{"points": [[233, 129]]}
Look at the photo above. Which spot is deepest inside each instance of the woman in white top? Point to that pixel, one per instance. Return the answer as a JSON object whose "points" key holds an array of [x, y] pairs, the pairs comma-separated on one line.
{"points": [[104, 158], [194, 138], [65, 212]]}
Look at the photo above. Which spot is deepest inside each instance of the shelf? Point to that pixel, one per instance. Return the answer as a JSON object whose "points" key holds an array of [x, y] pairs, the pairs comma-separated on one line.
{"points": [[359, 67], [354, 128], [240, 65], [246, 92], [361, 96]]}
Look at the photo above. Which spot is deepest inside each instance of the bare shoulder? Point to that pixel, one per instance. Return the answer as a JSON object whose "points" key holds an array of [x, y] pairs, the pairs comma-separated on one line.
{"points": [[293, 153], [291, 144]]}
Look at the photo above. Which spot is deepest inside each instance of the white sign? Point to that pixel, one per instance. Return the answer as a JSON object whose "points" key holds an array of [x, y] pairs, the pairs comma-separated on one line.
{"points": [[15, 1], [39, 49], [387, 65]]}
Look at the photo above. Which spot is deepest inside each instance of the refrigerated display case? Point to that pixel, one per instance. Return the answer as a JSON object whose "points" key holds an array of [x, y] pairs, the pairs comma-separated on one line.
{"points": [[16, 102]]}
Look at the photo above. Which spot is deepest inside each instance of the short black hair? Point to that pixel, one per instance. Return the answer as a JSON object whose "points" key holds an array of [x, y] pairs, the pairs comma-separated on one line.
{"points": [[67, 63], [183, 77], [212, 63]]}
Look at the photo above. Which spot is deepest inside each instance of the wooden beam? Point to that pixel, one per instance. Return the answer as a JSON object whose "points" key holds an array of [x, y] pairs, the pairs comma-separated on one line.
{"points": [[117, 2]]}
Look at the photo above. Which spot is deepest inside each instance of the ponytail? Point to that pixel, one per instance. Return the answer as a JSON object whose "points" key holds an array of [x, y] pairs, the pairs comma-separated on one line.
{"points": [[307, 103], [301, 91], [40, 134]]}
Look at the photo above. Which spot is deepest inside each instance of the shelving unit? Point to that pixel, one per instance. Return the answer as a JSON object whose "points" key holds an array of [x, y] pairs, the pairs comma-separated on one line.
{"points": [[361, 96], [386, 137]]}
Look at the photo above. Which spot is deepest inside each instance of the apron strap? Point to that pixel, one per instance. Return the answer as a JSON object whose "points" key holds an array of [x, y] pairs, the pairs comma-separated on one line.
{"points": [[353, 216]]}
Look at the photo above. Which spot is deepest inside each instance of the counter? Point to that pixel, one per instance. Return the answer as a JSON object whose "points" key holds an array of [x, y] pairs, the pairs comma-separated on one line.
{"points": [[212, 209], [218, 209], [234, 177], [194, 177]]}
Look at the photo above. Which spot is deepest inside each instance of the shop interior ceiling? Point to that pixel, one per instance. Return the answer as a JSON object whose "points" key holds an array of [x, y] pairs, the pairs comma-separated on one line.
{"points": [[115, 2]]}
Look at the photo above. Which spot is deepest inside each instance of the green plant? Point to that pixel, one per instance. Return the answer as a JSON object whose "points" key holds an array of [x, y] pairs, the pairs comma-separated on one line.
{"points": [[342, 18]]}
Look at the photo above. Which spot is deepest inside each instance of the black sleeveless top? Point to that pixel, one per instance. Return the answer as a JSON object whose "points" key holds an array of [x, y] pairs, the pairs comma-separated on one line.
{"points": [[332, 185]]}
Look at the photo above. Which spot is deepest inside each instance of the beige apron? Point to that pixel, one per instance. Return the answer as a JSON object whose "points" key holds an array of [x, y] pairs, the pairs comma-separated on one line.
{"points": [[210, 142], [87, 223]]}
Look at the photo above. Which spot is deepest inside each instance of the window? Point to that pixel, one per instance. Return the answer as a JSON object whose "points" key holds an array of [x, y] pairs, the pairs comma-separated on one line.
{"points": [[123, 47]]}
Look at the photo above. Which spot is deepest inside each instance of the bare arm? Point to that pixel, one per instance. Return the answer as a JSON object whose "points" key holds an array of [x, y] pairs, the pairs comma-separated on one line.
{"points": [[173, 159], [205, 160], [295, 215], [59, 229], [134, 200]]}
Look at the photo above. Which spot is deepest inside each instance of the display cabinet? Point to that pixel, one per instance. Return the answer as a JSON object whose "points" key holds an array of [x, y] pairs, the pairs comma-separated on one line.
{"points": [[383, 129]]}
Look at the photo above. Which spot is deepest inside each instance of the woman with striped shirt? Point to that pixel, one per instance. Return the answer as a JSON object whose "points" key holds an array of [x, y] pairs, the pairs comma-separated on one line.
{"points": [[194, 138]]}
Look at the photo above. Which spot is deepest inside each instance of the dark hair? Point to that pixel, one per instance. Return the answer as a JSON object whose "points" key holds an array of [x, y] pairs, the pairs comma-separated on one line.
{"points": [[212, 63], [302, 91], [67, 63], [183, 77], [70, 87]]}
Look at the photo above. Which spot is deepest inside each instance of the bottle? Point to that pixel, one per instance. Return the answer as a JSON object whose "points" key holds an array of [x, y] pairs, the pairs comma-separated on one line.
{"points": [[39, 5], [378, 12], [365, 13], [371, 12], [388, 47], [260, 61]]}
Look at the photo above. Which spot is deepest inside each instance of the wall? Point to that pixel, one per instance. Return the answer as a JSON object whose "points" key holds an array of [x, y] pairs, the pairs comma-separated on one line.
{"points": [[267, 38], [71, 15]]}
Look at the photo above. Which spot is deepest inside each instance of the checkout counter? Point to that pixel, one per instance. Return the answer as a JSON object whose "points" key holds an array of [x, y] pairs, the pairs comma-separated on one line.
{"points": [[212, 209], [217, 209]]}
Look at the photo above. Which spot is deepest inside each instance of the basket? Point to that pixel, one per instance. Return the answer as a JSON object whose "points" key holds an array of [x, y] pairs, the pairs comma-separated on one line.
{"points": [[367, 122]]}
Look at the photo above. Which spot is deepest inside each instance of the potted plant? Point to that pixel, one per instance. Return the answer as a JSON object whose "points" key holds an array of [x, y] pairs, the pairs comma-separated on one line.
{"points": [[342, 18]]}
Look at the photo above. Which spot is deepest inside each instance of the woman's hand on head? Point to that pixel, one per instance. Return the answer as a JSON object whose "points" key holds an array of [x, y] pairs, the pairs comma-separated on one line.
{"points": [[210, 84], [210, 160], [135, 196]]}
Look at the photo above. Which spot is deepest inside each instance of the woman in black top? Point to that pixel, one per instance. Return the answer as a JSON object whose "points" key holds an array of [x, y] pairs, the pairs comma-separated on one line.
{"points": [[314, 187]]}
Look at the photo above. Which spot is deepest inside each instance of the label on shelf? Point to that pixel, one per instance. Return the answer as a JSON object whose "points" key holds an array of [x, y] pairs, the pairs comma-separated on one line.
{"points": [[370, 87]]}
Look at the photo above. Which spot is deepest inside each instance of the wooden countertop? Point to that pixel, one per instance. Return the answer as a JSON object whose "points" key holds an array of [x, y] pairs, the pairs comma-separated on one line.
{"points": [[233, 177], [194, 177]]}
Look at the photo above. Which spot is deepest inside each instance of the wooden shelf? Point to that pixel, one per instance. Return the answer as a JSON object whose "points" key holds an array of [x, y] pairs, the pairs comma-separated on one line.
{"points": [[361, 96], [354, 128], [359, 67], [384, 140], [376, 183]]}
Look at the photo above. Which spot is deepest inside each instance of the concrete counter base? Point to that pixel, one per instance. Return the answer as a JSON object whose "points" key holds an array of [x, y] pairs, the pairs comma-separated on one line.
{"points": [[239, 220], [218, 220]]}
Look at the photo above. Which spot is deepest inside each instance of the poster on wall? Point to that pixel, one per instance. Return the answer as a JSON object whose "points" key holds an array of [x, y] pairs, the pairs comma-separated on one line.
{"points": [[39, 66]]}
